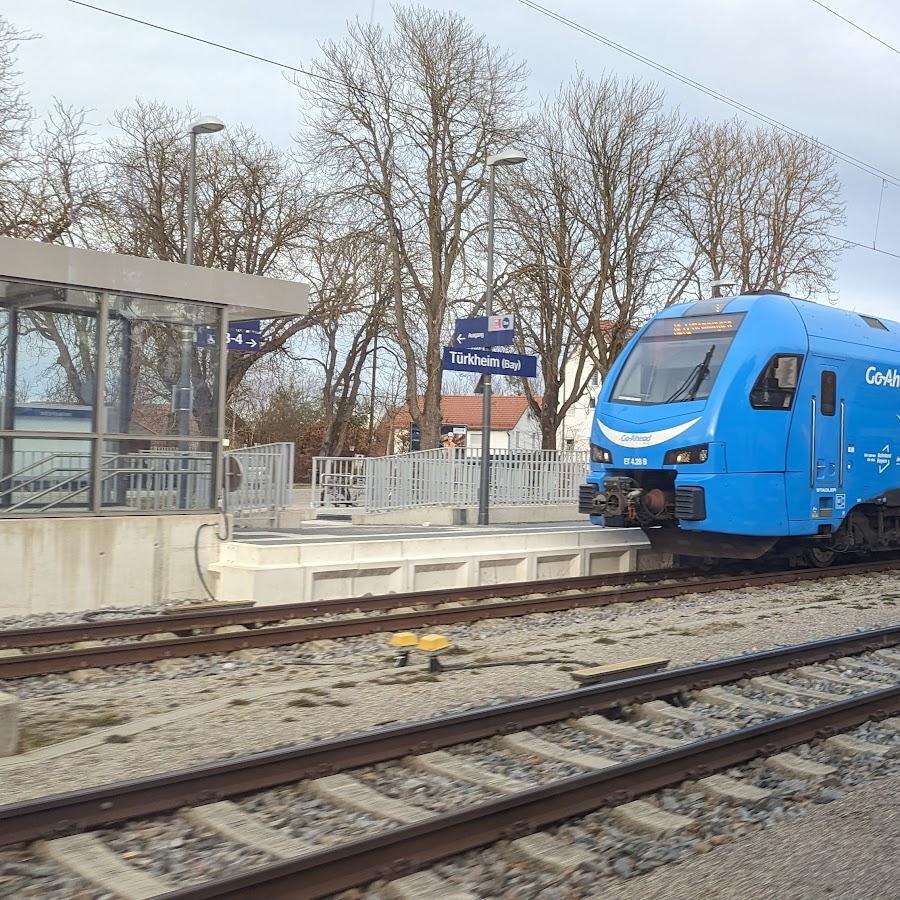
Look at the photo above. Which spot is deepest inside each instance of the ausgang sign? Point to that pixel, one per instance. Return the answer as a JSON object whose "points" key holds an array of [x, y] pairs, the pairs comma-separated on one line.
{"points": [[490, 362]]}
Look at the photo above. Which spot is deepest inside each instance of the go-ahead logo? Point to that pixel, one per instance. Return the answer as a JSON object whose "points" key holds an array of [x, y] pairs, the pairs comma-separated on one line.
{"points": [[887, 378]]}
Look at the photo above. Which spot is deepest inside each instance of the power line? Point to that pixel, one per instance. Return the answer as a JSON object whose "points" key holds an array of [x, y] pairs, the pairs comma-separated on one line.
{"points": [[862, 246], [709, 91], [853, 24], [872, 170], [833, 151]]}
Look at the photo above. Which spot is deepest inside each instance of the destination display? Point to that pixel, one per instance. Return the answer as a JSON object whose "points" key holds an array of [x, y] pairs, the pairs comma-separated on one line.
{"points": [[694, 326]]}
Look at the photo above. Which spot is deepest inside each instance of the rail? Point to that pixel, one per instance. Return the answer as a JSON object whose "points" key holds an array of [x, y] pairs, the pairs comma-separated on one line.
{"points": [[82, 809], [334, 628]]}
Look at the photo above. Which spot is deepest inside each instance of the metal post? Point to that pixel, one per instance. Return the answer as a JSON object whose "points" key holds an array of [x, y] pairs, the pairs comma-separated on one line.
{"points": [[8, 412], [183, 390], [372, 395], [485, 485], [218, 468], [97, 445], [192, 180]]}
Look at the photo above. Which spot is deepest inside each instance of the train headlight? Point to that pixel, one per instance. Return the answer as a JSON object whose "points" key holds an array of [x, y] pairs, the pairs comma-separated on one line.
{"points": [[699, 453], [600, 454]]}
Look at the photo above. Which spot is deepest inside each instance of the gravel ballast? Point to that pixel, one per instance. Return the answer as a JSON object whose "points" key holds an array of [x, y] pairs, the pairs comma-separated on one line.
{"points": [[354, 687]]}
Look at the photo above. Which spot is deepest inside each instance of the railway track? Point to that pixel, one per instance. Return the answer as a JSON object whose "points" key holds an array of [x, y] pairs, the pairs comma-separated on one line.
{"points": [[334, 619], [513, 770]]}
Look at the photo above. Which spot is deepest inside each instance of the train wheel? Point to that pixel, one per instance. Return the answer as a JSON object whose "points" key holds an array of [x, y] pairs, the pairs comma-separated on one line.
{"points": [[820, 557]]}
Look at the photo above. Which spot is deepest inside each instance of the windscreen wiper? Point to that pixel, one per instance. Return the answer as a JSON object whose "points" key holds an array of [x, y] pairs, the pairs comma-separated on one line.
{"points": [[694, 379], [702, 372], [684, 384]]}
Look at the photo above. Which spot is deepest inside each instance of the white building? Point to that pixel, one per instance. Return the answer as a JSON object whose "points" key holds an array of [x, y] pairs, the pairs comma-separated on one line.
{"points": [[575, 431], [513, 425]]}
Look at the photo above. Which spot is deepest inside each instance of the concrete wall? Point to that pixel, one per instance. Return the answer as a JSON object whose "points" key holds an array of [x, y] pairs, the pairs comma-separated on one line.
{"points": [[289, 573], [81, 563]]}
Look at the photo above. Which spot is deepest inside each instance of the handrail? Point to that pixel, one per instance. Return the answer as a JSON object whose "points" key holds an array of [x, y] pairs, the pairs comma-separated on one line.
{"points": [[38, 463], [812, 446], [114, 472], [841, 447], [86, 472]]}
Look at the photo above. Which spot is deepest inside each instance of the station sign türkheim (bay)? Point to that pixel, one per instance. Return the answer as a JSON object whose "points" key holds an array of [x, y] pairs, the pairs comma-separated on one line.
{"points": [[490, 362]]}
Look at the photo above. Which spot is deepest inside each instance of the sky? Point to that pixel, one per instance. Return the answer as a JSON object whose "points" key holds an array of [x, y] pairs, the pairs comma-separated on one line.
{"points": [[788, 58]]}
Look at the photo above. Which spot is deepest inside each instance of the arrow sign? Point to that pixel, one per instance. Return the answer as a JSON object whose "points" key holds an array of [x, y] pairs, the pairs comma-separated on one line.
{"points": [[247, 341], [489, 362], [479, 332]]}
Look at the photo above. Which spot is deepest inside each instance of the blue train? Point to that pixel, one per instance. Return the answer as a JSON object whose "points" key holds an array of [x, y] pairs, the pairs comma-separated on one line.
{"points": [[742, 425]]}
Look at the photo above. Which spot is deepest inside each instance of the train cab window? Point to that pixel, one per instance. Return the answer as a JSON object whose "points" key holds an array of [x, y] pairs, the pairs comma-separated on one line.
{"points": [[872, 322], [777, 383], [829, 393], [676, 360]]}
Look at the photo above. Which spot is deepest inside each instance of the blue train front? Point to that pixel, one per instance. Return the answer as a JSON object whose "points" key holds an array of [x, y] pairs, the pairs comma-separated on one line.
{"points": [[730, 427]]}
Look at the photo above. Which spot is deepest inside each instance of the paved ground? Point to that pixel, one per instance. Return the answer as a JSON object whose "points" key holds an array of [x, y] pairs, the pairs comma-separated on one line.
{"points": [[330, 532], [845, 850]]}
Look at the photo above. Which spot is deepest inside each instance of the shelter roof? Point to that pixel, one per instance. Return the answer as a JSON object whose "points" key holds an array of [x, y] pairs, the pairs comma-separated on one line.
{"points": [[246, 296]]}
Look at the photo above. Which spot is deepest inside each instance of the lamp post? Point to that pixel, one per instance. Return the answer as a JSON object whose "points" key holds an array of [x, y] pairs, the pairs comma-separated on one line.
{"points": [[183, 392], [203, 125], [503, 158]]}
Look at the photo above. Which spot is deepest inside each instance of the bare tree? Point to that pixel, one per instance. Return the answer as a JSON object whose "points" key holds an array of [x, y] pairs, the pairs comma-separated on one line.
{"points": [[252, 207], [348, 310], [45, 171], [404, 121], [631, 157], [552, 272], [758, 208]]}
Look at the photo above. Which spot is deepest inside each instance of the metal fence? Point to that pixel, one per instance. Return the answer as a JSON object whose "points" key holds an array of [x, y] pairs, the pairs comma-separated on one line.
{"points": [[266, 484], [447, 477], [149, 480], [339, 482]]}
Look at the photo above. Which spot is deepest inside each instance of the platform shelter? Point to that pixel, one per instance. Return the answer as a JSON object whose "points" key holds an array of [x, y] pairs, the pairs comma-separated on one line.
{"points": [[112, 394]]}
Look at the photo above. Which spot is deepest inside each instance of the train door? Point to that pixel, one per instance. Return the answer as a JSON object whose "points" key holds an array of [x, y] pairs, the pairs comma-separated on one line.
{"points": [[826, 447]]}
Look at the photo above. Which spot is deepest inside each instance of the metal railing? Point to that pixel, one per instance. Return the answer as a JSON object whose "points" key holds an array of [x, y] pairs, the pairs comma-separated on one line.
{"points": [[267, 481], [447, 477], [339, 481], [149, 480]]}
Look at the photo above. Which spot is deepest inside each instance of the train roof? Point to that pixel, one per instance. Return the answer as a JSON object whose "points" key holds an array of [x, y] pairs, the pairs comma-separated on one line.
{"points": [[819, 320]]}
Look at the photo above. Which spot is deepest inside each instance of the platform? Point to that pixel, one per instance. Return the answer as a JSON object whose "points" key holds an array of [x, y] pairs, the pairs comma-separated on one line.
{"points": [[323, 561]]}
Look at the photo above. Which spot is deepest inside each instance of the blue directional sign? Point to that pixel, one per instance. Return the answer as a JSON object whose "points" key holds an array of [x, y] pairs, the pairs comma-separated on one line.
{"points": [[238, 338], [484, 331], [246, 325], [490, 362]]}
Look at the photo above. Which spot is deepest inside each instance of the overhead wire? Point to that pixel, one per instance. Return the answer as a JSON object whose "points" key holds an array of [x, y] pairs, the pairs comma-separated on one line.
{"points": [[857, 26], [320, 76], [869, 168]]}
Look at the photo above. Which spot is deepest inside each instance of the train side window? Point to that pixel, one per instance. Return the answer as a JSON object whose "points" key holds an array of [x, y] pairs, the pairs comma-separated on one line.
{"points": [[829, 392], [777, 383]]}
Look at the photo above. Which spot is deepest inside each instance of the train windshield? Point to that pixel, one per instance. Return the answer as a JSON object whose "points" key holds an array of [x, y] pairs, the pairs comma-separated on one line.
{"points": [[676, 360]]}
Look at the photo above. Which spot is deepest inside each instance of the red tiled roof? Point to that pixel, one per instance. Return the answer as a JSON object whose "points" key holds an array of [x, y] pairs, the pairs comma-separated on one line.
{"points": [[464, 410]]}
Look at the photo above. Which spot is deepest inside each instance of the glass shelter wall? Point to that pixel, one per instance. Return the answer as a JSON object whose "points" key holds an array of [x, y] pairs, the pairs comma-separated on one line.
{"points": [[108, 402]]}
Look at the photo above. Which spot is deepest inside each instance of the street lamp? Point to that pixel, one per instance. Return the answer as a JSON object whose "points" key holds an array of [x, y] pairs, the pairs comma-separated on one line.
{"points": [[503, 158], [183, 391], [203, 125]]}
